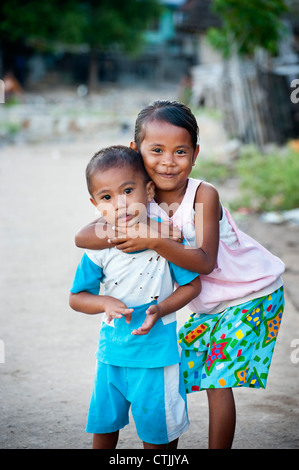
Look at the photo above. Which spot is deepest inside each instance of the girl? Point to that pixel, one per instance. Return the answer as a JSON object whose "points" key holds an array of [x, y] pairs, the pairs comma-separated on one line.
{"points": [[229, 340]]}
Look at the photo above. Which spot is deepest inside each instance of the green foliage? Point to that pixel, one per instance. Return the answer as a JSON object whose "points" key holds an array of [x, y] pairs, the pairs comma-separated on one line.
{"points": [[210, 171], [269, 181], [247, 25], [120, 23], [32, 18], [98, 23]]}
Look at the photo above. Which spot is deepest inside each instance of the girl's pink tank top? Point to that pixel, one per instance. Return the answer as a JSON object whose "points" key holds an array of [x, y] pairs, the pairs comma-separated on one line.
{"points": [[243, 265]]}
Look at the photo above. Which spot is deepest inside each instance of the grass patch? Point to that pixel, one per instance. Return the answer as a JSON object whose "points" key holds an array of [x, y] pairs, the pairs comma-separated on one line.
{"points": [[210, 171], [269, 181]]}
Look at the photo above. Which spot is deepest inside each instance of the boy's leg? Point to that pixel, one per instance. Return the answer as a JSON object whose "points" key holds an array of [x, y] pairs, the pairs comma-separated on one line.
{"points": [[109, 409], [222, 418], [173, 444], [158, 401], [170, 445], [105, 441]]}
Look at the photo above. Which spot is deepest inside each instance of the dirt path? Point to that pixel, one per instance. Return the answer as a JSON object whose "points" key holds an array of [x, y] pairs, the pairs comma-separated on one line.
{"points": [[47, 362]]}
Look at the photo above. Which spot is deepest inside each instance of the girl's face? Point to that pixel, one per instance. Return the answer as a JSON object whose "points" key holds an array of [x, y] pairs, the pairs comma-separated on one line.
{"points": [[168, 154]]}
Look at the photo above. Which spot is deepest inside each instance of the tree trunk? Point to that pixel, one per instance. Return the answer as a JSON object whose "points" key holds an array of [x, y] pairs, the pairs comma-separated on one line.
{"points": [[93, 71]]}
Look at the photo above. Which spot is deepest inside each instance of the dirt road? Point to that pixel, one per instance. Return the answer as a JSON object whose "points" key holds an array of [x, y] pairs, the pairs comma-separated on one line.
{"points": [[47, 350]]}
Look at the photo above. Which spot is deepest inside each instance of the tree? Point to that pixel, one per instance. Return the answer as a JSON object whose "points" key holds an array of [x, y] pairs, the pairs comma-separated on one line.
{"points": [[248, 25], [99, 24]]}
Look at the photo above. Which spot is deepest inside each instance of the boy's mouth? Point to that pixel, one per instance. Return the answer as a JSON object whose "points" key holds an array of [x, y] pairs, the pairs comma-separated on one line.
{"points": [[123, 218]]}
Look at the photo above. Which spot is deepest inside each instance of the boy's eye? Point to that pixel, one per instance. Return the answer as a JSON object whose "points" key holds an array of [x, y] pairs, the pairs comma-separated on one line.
{"points": [[106, 197], [157, 150], [128, 190], [181, 152]]}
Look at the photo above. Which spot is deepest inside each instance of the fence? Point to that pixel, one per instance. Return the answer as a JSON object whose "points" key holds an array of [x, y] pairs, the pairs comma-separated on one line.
{"points": [[255, 104]]}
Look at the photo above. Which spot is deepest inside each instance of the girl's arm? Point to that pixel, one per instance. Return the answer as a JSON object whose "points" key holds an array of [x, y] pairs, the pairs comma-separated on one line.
{"points": [[178, 299], [95, 236], [201, 259], [99, 235]]}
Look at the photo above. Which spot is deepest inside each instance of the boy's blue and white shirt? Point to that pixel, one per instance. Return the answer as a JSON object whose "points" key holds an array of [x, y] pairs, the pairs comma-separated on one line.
{"points": [[138, 279]]}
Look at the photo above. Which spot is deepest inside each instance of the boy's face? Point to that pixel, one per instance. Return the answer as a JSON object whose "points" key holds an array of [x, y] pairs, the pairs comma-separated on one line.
{"points": [[121, 195]]}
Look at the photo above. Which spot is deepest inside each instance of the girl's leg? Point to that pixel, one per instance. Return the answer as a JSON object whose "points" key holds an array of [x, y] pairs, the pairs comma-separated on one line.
{"points": [[105, 441], [222, 418]]}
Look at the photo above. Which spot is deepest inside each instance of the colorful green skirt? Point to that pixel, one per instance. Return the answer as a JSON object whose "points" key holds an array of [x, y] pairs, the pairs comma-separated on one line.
{"points": [[233, 348]]}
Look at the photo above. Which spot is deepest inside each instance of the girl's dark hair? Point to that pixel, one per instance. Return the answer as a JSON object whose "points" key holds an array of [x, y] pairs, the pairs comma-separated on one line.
{"points": [[172, 112], [114, 157]]}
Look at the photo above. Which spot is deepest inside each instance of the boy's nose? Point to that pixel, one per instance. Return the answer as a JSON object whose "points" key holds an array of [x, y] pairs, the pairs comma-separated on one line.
{"points": [[121, 202]]}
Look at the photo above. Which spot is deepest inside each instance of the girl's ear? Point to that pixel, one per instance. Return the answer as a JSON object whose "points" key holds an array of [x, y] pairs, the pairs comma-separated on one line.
{"points": [[196, 152], [134, 146], [150, 189]]}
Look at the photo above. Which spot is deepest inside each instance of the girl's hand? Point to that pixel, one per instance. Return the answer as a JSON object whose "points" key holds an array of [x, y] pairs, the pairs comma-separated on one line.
{"points": [[153, 314], [143, 236], [115, 308], [127, 244]]}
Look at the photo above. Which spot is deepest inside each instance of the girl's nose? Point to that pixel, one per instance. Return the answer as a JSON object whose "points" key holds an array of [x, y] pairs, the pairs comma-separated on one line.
{"points": [[168, 159]]}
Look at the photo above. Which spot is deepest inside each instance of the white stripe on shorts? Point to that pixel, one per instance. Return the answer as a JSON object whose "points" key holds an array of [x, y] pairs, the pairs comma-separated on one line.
{"points": [[175, 406]]}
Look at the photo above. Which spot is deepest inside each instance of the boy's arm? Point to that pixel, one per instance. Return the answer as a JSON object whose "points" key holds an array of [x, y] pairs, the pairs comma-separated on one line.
{"points": [[84, 292], [178, 299], [92, 304]]}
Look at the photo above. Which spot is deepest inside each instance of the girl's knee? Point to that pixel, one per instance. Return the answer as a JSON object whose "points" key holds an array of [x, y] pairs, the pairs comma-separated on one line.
{"points": [[219, 390], [218, 393]]}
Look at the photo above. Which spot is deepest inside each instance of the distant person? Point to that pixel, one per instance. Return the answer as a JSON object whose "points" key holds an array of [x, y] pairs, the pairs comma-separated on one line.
{"points": [[229, 339], [138, 355], [12, 86], [185, 89]]}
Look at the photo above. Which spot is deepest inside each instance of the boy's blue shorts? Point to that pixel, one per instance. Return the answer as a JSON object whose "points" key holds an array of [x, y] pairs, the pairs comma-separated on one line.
{"points": [[157, 398]]}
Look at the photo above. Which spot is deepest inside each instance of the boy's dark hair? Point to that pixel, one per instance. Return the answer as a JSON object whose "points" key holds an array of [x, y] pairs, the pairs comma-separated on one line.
{"points": [[172, 112], [114, 157]]}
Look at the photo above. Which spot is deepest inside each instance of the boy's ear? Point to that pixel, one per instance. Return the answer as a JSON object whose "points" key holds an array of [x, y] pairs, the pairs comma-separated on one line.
{"points": [[93, 202], [150, 188], [134, 146], [195, 155]]}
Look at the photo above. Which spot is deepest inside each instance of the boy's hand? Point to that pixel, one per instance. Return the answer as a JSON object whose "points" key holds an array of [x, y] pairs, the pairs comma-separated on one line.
{"points": [[153, 314], [115, 308]]}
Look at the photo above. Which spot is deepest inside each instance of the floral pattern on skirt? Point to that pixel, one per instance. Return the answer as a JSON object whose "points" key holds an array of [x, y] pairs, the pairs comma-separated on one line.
{"points": [[233, 348]]}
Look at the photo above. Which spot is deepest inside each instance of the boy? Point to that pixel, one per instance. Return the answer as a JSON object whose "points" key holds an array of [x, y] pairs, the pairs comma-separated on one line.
{"points": [[137, 369]]}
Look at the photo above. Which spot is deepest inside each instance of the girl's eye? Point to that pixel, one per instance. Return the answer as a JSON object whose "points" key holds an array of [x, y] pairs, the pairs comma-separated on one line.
{"points": [[106, 197], [157, 150], [181, 152], [128, 190]]}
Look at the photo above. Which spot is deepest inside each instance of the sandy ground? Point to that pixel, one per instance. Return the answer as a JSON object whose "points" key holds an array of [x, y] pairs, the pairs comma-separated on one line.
{"points": [[47, 350]]}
